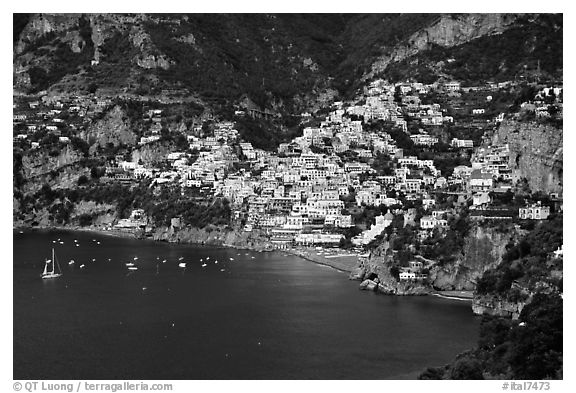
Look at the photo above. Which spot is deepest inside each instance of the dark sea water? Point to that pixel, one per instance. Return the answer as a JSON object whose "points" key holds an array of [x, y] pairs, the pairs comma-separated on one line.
{"points": [[269, 317]]}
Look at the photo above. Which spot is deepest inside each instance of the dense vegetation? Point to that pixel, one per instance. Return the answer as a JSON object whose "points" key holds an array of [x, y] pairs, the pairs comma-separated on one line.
{"points": [[264, 134], [281, 61], [19, 23], [263, 56], [530, 348], [527, 262], [161, 204], [536, 44], [62, 59]]}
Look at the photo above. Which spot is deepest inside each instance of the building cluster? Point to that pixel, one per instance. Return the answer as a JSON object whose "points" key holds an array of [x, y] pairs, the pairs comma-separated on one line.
{"points": [[60, 116], [309, 191]]}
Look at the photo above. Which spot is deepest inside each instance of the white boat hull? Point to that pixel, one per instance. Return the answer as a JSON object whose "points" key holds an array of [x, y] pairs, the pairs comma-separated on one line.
{"points": [[51, 275]]}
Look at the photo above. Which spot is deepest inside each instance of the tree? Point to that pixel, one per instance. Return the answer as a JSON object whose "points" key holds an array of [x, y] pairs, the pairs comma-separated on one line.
{"points": [[466, 368], [82, 180], [536, 347], [395, 272], [96, 172]]}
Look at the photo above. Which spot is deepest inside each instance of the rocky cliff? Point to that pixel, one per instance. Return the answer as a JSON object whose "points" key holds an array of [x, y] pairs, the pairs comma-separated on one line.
{"points": [[152, 152], [375, 273], [446, 31], [114, 128], [40, 25], [496, 306], [536, 153], [213, 235], [483, 250], [42, 162]]}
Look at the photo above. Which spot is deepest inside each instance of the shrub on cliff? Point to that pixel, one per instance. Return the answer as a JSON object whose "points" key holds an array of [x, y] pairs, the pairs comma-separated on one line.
{"points": [[466, 368], [536, 347], [85, 220]]}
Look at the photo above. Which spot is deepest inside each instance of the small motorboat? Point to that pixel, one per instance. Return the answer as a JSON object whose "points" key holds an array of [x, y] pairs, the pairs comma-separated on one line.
{"points": [[129, 264], [182, 264], [204, 265], [82, 266], [132, 268], [231, 259], [71, 262]]}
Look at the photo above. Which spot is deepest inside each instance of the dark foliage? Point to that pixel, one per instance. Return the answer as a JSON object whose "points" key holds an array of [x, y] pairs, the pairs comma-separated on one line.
{"points": [[526, 260], [536, 44], [19, 23], [263, 134]]}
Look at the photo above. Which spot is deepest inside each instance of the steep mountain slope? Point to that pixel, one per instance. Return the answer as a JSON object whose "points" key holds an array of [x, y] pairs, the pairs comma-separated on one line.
{"points": [[282, 62], [480, 48], [275, 60], [536, 153]]}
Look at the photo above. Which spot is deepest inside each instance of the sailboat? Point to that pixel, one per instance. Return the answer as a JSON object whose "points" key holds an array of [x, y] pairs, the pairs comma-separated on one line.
{"points": [[51, 274]]}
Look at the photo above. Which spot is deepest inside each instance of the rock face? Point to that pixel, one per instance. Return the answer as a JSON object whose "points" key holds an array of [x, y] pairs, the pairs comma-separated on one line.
{"points": [[536, 153], [447, 31], [390, 286], [483, 250], [149, 56], [41, 162], [102, 213], [369, 285], [213, 236], [491, 305], [113, 128], [42, 24], [379, 264], [152, 152]]}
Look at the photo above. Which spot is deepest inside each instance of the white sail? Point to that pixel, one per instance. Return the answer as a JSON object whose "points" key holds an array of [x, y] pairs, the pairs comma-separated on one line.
{"points": [[51, 274]]}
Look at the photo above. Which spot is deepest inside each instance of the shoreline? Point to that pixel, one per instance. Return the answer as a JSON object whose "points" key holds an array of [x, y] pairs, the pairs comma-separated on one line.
{"points": [[345, 263], [114, 233], [306, 255], [466, 296]]}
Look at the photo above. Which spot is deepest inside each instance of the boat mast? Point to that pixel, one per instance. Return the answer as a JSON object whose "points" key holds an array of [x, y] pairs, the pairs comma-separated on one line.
{"points": [[53, 260]]}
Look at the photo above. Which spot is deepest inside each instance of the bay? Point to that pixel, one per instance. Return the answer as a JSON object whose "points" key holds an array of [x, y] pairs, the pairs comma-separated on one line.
{"points": [[250, 316]]}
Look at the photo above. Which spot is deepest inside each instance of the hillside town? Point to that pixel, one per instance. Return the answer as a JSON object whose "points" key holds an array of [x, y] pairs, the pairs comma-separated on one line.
{"points": [[382, 157], [176, 175]]}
